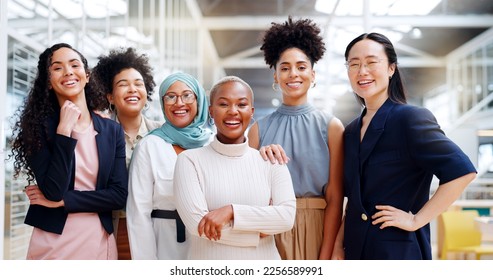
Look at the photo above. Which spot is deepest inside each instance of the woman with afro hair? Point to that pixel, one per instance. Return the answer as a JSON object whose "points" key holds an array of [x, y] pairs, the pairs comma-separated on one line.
{"points": [[125, 79], [76, 158], [311, 139]]}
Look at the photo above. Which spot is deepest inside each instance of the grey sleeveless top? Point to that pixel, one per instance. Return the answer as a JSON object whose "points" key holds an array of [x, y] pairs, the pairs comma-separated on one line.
{"points": [[302, 132]]}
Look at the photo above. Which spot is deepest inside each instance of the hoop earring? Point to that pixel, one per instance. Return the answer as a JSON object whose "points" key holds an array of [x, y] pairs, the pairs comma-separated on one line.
{"points": [[147, 106], [274, 87], [252, 121], [210, 121], [314, 84], [111, 108]]}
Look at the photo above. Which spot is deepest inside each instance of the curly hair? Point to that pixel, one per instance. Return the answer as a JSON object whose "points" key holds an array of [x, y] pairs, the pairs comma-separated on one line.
{"points": [[302, 34], [30, 130], [117, 60]]}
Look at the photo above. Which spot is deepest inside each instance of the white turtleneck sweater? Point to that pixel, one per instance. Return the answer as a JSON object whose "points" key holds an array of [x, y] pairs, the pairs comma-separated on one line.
{"points": [[260, 192]]}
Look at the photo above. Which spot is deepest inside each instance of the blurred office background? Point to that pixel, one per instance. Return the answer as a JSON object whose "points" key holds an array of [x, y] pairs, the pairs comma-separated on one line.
{"points": [[445, 50]]}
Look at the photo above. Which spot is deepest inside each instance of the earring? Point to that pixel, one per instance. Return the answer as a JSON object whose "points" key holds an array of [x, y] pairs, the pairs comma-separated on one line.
{"points": [[252, 121], [111, 108], [274, 87], [210, 120], [147, 106], [390, 77], [314, 84]]}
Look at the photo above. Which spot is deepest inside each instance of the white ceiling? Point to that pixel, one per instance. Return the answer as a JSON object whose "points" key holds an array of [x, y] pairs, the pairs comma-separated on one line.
{"points": [[422, 37]]}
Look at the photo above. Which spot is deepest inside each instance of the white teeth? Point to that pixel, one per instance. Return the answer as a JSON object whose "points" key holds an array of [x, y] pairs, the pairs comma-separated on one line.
{"points": [[132, 99], [180, 112], [232, 122], [293, 84], [364, 82]]}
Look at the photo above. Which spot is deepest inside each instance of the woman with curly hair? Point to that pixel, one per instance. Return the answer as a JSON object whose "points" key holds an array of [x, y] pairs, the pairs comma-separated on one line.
{"points": [[125, 78], [311, 138], [76, 158]]}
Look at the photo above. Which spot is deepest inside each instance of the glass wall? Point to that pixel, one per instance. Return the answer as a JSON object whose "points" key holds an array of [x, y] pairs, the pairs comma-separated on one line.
{"points": [[470, 83], [470, 76], [21, 75]]}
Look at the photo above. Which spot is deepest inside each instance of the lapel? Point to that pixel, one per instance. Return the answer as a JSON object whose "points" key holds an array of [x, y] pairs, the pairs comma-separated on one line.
{"points": [[374, 131], [353, 132], [351, 163], [100, 146]]}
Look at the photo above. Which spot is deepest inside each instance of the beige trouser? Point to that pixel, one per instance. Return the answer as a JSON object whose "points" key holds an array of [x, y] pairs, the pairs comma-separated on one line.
{"points": [[303, 241]]}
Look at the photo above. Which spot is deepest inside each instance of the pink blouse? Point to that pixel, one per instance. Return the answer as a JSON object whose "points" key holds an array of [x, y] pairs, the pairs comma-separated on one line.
{"points": [[83, 237]]}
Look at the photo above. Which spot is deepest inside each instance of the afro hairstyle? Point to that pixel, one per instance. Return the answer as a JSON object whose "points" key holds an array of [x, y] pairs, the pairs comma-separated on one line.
{"points": [[302, 34]]}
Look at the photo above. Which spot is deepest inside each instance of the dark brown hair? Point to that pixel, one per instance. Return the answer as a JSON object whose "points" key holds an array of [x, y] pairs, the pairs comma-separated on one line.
{"points": [[29, 131]]}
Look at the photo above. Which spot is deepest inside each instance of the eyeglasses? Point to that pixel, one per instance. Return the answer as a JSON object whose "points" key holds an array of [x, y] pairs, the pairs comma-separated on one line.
{"points": [[187, 98], [370, 65]]}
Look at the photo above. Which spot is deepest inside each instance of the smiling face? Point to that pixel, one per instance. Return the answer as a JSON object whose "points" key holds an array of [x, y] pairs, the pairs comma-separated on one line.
{"points": [[232, 109], [370, 80], [68, 76], [295, 75], [180, 114], [129, 93]]}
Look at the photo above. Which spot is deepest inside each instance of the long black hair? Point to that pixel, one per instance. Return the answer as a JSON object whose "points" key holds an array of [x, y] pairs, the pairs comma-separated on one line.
{"points": [[396, 88]]}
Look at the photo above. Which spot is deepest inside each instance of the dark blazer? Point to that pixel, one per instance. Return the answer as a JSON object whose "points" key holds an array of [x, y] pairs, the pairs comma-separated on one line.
{"points": [[54, 169], [402, 149]]}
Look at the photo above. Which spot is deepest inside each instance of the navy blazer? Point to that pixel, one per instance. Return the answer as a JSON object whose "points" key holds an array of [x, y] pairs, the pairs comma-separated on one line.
{"points": [[54, 170], [402, 149]]}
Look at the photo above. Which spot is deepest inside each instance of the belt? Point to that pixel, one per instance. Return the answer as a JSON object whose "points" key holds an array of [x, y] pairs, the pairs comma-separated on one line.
{"points": [[310, 203], [172, 214]]}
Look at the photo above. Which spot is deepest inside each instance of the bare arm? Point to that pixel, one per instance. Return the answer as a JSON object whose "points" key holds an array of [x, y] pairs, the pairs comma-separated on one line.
{"points": [[253, 137], [334, 189], [445, 195], [273, 152], [338, 252]]}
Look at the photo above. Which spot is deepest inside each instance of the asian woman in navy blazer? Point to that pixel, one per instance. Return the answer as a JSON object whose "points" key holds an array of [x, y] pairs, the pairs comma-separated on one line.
{"points": [[392, 152], [76, 158]]}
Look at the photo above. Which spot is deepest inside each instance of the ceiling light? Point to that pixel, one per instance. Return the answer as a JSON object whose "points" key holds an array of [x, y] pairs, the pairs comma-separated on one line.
{"points": [[380, 7], [416, 33], [485, 133], [416, 7]]}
